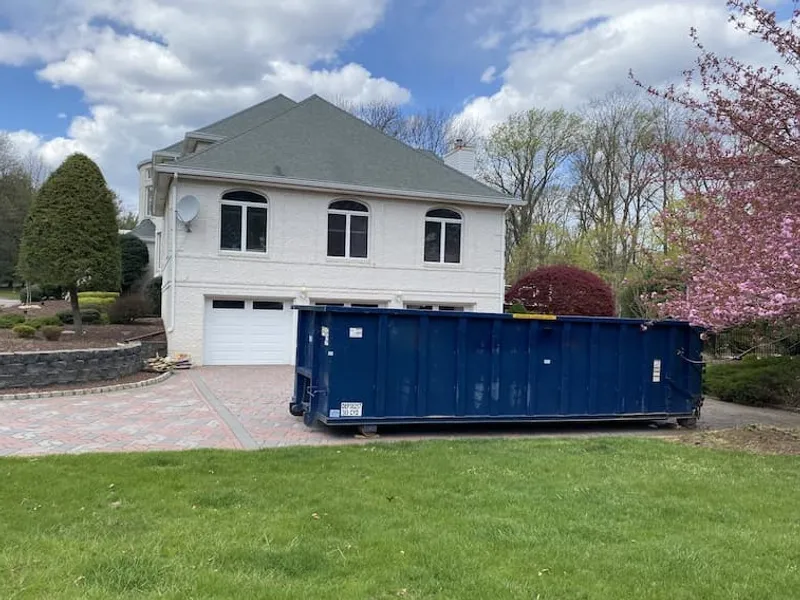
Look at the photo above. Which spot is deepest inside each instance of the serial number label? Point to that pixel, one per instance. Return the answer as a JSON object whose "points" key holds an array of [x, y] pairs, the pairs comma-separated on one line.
{"points": [[351, 409]]}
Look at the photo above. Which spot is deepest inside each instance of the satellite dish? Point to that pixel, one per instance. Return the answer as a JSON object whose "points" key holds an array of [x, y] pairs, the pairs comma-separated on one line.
{"points": [[187, 210]]}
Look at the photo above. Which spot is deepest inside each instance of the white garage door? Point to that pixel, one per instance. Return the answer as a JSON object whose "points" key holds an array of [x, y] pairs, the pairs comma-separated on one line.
{"points": [[248, 332]]}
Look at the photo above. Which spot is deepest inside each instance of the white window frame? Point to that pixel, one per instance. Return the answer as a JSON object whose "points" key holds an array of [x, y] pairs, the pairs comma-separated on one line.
{"points": [[436, 306], [157, 258], [149, 200], [348, 216], [351, 303], [442, 221], [243, 224]]}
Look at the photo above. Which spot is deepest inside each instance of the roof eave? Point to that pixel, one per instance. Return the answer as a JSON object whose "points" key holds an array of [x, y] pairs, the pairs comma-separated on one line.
{"points": [[305, 184]]}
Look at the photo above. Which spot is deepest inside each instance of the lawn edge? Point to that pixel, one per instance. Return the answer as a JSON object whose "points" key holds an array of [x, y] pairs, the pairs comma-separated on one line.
{"points": [[87, 391]]}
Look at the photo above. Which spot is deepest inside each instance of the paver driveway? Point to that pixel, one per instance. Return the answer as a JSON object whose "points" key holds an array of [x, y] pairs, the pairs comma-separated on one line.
{"points": [[245, 407]]}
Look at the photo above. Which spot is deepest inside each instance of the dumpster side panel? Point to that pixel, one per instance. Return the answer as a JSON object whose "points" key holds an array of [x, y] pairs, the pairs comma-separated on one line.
{"points": [[400, 366], [442, 376], [479, 368], [514, 372], [351, 362]]}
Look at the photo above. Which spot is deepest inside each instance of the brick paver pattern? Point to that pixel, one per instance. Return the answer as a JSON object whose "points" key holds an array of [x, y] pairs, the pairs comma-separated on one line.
{"points": [[178, 415]]}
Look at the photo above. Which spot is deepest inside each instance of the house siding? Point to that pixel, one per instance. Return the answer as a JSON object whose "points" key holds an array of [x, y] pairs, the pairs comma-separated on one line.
{"points": [[296, 266]]}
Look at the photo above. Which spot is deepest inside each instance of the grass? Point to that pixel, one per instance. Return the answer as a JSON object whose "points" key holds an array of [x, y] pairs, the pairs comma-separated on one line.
{"points": [[9, 294], [592, 518]]}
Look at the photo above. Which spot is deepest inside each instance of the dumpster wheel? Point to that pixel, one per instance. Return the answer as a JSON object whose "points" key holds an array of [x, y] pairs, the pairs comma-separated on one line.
{"points": [[296, 410], [688, 422], [368, 431]]}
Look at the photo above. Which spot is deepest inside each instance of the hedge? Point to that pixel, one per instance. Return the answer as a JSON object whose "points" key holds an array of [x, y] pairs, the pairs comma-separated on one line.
{"points": [[755, 381]]}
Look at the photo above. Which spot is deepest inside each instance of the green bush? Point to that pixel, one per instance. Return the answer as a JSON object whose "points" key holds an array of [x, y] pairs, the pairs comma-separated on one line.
{"points": [[8, 321], [517, 309], [89, 316], [24, 331], [127, 309], [134, 259], [36, 294], [95, 301], [754, 381], [52, 333], [112, 295], [153, 293], [39, 322]]}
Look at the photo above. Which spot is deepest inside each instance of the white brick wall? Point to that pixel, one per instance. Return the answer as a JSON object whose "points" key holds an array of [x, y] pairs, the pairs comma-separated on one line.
{"points": [[296, 266]]}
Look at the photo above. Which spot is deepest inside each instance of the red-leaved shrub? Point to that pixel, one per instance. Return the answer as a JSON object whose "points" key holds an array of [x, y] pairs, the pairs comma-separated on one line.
{"points": [[563, 290]]}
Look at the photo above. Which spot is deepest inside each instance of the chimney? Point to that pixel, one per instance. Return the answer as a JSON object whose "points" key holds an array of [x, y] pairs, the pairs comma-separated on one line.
{"points": [[461, 157]]}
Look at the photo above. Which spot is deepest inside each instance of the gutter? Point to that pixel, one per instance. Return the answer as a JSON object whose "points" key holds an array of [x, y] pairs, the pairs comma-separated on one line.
{"points": [[305, 184]]}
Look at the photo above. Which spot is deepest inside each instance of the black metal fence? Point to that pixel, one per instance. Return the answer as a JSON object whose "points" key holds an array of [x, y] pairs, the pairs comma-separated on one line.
{"points": [[759, 340]]}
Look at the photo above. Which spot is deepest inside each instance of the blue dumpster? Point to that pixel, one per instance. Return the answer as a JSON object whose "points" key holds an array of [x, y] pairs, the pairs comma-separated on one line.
{"points": [[371, 367]]}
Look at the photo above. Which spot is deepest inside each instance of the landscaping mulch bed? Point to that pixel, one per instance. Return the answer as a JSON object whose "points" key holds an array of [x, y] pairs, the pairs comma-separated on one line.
{"points": [[135, 378], [760, 439], [95, 336], [44, 309]]}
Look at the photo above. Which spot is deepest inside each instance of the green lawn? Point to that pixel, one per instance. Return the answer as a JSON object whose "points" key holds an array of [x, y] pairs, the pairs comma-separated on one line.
{"points": [[590, 518], [9, 294]]}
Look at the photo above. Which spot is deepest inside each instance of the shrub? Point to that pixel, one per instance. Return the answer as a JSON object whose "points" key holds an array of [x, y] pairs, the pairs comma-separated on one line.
{"points": [[52, 332], [24, 331], [52, 292], [563, 290], [97, 302], [89, 316], [127, 309], [113, 295], [754, 381], [640, 297], [134, 258], [39, 322], [153, 293], [36, 294], [8, 321]]}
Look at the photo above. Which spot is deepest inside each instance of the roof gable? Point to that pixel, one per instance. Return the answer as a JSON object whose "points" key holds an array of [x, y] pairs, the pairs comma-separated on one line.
{"points": [[317, 141]]}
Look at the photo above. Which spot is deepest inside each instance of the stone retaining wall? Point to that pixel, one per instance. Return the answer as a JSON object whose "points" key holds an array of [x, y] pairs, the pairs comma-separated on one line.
{"points": [[36, 369]]}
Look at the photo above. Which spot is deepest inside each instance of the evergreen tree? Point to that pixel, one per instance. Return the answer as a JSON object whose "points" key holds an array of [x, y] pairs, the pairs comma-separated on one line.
{"points": [[70, 237]]}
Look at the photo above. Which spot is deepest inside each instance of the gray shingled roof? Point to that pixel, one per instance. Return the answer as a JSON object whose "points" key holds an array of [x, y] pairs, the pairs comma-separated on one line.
{"points": [[242, 120], [317, 141]]}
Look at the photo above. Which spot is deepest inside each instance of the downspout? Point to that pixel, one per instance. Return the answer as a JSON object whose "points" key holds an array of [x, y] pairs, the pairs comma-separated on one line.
{"points": [[503, 268], [174, 277]]}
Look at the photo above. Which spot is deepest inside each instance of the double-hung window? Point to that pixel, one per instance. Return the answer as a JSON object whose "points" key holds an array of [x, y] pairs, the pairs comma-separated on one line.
{"points": [[348, 229], [243, 222], [442, 236]]}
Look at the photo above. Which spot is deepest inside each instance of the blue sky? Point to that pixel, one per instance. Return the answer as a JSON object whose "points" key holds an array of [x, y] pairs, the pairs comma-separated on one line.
{"points": [[117, 79]]}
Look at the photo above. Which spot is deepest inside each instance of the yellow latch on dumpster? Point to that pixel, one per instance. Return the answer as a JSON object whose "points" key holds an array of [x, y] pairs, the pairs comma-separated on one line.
{"points": [[537, 317]]}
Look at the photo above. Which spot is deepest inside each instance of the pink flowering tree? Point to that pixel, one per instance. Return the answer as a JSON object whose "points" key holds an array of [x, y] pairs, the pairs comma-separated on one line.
{"points": [[737, 231]]}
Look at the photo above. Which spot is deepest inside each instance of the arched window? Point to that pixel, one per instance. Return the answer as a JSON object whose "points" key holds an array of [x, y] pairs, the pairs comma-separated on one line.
{"points": [[348, 229], [442, 236], [243, 222]]}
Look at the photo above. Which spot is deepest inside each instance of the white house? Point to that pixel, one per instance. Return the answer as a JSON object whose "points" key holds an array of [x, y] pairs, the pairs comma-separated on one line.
{"points": [[302, 203]]}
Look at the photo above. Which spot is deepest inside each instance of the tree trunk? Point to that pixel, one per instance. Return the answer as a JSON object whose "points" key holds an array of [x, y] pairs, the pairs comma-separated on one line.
{"points": [[76, 310]]}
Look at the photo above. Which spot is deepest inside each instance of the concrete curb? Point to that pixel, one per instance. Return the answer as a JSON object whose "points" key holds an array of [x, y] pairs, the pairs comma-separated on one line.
{"points": [[87, 391]]}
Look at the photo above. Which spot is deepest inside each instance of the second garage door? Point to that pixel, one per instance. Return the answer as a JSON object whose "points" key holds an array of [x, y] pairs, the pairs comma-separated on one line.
{"points": [[248, 332]]}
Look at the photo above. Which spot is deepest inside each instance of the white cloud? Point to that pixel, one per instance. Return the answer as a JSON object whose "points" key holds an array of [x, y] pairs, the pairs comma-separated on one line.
{"points": [[488, 76], [150, 70], [563, 57], [490, 40]]}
